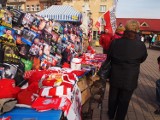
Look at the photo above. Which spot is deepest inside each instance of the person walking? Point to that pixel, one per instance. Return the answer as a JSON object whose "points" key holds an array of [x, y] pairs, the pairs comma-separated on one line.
{"points": [[105, 40], [126, 54], [150, 40]]}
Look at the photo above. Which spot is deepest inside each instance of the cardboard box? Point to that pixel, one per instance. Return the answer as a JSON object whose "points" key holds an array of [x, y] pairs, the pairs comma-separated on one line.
{"points": [[86, 94]]}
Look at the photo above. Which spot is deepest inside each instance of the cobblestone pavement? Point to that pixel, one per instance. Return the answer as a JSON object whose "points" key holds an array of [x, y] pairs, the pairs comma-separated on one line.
{"points": [[143, 102]]}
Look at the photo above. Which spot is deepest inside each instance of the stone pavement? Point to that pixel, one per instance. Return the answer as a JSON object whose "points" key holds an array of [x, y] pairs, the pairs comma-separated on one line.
{"points": [[143, 102]]}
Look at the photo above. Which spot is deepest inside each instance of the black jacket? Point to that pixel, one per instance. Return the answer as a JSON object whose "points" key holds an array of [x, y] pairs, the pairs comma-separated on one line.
{"points": [[126, 55]]}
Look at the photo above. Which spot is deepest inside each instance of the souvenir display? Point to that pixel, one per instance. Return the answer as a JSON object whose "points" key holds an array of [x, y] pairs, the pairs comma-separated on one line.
{"points": [[17, 17], [35, 63], [6, 18]]}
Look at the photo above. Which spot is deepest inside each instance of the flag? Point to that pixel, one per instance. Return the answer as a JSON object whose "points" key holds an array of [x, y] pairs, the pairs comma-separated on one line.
{"points": [[110, 19], [100, 24], [107, 21]]}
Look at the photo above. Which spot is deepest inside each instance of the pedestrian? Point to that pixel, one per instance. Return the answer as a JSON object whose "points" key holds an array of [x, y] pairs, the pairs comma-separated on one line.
{"points": [[142, 38], [105, 40], [157, 111], [150, 40], [119, 32], [126, 54], [154, 39]]}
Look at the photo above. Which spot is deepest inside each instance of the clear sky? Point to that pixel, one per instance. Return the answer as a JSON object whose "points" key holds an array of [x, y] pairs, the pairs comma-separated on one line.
{"points": [[138, 9]]}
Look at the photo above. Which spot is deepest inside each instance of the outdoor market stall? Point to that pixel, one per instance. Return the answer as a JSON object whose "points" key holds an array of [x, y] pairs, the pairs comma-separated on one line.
{"points": [[41, 65], [62, 13]]}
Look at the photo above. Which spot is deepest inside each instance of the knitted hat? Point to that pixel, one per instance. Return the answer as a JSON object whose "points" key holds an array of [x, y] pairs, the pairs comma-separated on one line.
{"points": [[132, 25], [120, 29]]}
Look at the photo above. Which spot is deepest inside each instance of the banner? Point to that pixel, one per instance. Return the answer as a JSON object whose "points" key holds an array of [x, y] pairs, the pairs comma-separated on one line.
{"points": [[107, 21]]}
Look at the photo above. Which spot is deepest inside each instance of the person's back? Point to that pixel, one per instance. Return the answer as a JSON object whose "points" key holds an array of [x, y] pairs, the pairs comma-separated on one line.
{"points": [[126, 58], [126, 55]]}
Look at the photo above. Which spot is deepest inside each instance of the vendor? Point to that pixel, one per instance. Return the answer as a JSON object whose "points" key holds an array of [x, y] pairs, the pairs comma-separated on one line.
{"points": [[66, 55]]}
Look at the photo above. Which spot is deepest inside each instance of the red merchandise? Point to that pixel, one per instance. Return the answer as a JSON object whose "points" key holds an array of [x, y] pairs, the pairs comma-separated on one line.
{"points": [[65, 105], [78, 72], [68, 84], [90, 50], [53, 79], [26, 97], [33, 87], [8, 88], [66, 65], [28, 74], [49, 82], [36, 76], [55, 91], [43, 103]]}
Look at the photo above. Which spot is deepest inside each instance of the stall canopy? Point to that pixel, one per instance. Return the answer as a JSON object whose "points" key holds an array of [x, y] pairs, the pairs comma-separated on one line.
{"points": [[61, 13]]}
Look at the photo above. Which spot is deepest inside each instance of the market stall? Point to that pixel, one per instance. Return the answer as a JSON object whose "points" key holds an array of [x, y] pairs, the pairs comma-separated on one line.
{"points": [[61, 13], [41, 64]]}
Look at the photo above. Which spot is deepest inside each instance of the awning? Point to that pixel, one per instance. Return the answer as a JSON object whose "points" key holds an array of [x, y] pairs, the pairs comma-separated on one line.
{"points": [[61, 13]]}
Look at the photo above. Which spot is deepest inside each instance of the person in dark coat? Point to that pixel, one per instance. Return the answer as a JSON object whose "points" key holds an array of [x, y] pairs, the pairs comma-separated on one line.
{"points": [[126, 55]]}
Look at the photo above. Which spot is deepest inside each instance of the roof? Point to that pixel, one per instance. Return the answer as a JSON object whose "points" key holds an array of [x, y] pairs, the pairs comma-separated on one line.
{"points": [[145, 24], [61, 13]]}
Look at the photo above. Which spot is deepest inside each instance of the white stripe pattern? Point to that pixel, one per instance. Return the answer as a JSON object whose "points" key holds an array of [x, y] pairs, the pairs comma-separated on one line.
{"points": [[61, 13]]}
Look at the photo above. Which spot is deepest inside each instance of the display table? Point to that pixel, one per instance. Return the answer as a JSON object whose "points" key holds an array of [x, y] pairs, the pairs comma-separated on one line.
{"points": [[30, 114]]}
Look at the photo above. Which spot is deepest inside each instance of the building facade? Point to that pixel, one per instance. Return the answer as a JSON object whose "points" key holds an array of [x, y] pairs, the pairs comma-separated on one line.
{"points": [[96, 7], [17, 4], [46, 3], [147, 26], [32, 6]]}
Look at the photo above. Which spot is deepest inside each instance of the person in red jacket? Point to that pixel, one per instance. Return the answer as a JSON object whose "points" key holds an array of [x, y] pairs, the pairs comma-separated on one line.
{"points": [[119, 32], [105, 41]]}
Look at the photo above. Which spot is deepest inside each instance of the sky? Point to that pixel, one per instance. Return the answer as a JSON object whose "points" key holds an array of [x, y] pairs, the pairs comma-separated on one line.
{"points": [[138, 9]]}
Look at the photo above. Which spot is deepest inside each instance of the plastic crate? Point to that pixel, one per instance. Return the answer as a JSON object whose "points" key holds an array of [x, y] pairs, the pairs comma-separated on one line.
{"points": [[30, 114]]}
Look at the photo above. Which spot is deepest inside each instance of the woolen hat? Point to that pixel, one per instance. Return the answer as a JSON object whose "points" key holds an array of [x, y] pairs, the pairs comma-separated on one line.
{"points": [[120, 29]]}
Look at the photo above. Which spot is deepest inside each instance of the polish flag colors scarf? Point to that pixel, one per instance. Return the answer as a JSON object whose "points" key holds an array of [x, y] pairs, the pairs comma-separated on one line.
{"points": [[55, 91]]}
